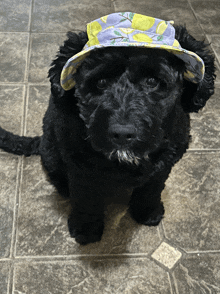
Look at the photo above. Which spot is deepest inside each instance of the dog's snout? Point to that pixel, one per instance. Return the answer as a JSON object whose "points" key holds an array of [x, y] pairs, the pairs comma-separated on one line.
{"points": [[122, 134]]}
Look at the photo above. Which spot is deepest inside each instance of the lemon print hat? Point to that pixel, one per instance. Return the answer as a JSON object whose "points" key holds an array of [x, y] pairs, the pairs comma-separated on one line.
{"points": [[132, 29]]}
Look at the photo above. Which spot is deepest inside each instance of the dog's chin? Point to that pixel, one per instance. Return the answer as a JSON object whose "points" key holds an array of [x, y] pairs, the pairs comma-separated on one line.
{"points": [[122, 155], [126, 156]]}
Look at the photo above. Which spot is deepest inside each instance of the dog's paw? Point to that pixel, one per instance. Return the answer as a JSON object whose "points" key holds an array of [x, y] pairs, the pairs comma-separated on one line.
{"points": [[87, 232], [149, 217]]}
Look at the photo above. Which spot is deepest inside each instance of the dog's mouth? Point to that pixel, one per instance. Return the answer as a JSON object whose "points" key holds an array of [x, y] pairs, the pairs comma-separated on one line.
{"points": [[126, 156]]}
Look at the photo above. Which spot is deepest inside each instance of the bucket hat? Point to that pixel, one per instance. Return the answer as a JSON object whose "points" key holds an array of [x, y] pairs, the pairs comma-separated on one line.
{"points": [[124, 29]]}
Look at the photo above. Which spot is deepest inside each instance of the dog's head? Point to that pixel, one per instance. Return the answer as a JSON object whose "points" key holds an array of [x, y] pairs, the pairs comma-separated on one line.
{"points": [[125, 96]]}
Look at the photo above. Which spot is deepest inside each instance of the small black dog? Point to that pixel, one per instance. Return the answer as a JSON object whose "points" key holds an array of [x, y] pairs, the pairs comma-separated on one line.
{"points": [[125, 123]]}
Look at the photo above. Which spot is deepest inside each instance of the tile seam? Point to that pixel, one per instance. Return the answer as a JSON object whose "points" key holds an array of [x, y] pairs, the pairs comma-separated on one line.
{"points": [[79, 257], [16, 206]]}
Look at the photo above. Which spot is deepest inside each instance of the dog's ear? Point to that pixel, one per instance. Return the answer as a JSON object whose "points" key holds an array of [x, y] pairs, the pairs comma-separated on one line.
{"points": [[195, 95], [72, 46]]}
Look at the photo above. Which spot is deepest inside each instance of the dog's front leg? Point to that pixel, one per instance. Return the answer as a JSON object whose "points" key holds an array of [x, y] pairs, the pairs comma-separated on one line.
{"points": [[86, 219], [145, 205]]}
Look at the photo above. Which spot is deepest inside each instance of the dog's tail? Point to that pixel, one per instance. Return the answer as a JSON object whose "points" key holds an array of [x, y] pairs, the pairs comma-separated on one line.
{"points": [[19, 145]]}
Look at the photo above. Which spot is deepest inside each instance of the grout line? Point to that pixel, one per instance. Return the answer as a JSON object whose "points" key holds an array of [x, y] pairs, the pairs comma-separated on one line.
{"points": [[203, 150], [14, 228], [23, 110], [27, 65], [24, 83], [28, 57], [79, 257], [30, 15], [40, 32], [61, 258], [175, 283], [114, 5], [171, 282], [202, 252], [16, 205], [11, 279], [25, 114]]}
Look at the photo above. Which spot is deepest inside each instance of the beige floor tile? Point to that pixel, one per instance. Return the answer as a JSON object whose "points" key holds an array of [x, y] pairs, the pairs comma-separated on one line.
{"points": [[205, 125], [215, 44], [207, 13], [100, 277], [38, 100], [192, 204], [44, 48], [15, 15], [198, 273], [65, 15], [4, 274], [13, 48], [12, 104], [8, 175]]}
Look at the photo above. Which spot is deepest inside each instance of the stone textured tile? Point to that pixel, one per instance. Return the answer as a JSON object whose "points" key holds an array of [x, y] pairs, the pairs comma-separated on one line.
{"points": [[100, 277], [179, 11], [11, 110], [167, 255], [192, 204], [42, 230], [198, 273], [14, 15], [38, 100], [217, 81], [207, 13], [8, 172], [205, 125], [13, 47], [43, 50], [4, 273], [64, 15], [215, 43]]}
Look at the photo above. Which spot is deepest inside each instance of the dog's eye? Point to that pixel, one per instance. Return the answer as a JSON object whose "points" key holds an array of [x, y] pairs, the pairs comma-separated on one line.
{"points": [[152, 83], [102, 84]]}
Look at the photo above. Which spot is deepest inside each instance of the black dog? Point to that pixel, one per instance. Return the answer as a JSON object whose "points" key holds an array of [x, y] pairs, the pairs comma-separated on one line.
{"points": [[125, 123]]}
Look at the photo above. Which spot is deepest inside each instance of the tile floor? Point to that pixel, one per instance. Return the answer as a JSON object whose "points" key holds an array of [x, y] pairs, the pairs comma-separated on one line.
{"points": [[182, 254]]}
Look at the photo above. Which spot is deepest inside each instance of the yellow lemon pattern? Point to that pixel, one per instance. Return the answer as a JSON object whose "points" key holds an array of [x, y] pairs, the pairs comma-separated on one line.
{"points": [[127, 30], [132, 29], [176, 43], [161, 27], [142, 22], [104, 18], [142, 38], [92, 30]]}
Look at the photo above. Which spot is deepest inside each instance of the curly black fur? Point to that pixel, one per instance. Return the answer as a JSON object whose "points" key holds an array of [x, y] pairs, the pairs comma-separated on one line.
{"points": [[125, 123]]}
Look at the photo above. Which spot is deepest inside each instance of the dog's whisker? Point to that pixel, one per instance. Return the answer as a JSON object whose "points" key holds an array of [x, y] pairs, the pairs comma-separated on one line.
{"points": [[140, 140], [87, 138], [127, 157]]}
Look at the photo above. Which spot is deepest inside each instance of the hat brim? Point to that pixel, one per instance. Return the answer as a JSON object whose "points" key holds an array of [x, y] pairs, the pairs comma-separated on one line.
{"points": [[195, 67]]}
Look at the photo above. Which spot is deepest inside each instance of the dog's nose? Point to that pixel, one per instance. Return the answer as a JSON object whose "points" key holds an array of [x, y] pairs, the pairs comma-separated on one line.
{"points": [[122, 134]]}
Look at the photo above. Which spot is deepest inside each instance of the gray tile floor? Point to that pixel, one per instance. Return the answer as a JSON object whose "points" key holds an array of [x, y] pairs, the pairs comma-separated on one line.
{"points": [[182, 254]]}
